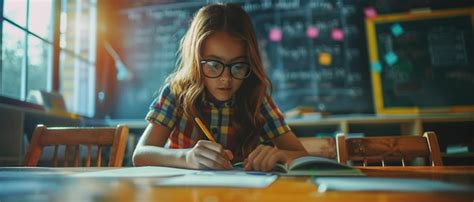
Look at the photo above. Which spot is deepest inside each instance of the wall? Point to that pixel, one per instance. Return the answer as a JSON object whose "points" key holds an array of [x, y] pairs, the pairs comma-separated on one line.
{"points": [[314, 51]]}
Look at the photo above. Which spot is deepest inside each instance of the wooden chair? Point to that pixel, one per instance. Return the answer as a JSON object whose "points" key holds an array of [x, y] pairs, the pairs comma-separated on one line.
{"points": [[388, 148], [72, 137], [324, 147]]}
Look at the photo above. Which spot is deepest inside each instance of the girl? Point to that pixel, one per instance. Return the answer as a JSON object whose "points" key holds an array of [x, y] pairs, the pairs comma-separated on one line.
{"points": [[220, 79]]}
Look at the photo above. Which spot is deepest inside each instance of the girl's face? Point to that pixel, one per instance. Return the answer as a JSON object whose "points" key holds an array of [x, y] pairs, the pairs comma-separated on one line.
{"points": [[223, 48]]}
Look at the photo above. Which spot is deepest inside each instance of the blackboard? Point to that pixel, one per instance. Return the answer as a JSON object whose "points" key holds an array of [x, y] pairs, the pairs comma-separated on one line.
{"points": [[340, 84], [423, 61]]}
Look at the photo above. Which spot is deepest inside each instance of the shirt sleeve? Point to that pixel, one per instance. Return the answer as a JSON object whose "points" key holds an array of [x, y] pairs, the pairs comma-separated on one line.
{"points": [[163, 109], [275, 124]]}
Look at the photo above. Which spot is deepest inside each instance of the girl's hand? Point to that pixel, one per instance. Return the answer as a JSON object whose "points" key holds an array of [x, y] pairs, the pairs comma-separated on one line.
{"points": [[209, 155], [264, 158]]}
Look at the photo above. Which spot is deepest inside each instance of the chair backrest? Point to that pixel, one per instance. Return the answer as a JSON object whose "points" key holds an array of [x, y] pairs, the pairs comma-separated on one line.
{"points": [[324, 147], [72, 137], [388, 148]]}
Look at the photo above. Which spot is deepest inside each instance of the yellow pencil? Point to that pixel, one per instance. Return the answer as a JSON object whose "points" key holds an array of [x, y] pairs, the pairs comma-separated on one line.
{"points": [[204, 129]]}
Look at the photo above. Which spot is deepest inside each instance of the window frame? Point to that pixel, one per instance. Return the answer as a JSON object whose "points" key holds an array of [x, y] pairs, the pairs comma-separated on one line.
{"points": [[54, 80]]}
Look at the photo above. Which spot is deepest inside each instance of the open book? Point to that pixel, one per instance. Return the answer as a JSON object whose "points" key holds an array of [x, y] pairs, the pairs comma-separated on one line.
{"points": [[311, 166]]}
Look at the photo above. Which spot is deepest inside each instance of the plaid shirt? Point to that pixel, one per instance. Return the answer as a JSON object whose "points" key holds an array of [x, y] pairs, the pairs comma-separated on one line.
{"points": [[217, 118]]}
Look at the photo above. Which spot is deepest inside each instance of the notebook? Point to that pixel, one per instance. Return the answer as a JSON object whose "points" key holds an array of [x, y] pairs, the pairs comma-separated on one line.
{"points": [[311, 166]]}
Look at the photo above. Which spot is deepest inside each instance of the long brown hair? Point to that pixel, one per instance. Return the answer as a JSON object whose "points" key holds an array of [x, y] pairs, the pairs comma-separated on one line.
{"points": [[187, 82]]}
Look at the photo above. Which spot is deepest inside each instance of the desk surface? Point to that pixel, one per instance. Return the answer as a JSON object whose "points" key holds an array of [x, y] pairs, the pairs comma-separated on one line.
{"points": [[298, 189]]}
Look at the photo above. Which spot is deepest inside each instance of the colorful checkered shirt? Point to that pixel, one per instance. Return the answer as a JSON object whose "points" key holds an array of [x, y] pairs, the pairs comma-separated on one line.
{"points": [[217, 118]]}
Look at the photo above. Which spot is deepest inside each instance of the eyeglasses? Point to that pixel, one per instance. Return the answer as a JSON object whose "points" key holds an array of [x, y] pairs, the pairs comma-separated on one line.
{"points": [[214, 69]]}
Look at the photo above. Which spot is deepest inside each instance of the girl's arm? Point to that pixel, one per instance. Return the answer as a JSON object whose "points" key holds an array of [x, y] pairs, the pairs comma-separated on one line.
{"points": [[150, 151], [287, 147]]}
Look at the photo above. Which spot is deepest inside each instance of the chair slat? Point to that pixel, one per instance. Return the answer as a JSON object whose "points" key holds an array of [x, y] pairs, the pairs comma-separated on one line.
{"points": [[55, 156], [76, 156], [98, 157], [66, 156], [433, 145], [88, 156]]}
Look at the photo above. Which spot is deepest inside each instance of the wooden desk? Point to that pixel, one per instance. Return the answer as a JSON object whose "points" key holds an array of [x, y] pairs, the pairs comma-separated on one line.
{"points": [[51, 184]]}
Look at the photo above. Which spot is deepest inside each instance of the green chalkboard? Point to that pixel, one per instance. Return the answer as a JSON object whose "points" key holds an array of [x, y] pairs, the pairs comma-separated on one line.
{"points": [[422, 61]]}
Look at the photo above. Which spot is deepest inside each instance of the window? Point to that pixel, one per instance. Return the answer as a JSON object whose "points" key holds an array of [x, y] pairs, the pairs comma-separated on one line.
{"points": [[26, 47], [77, 56], [27, 50], [13, 58], [39, 71]]}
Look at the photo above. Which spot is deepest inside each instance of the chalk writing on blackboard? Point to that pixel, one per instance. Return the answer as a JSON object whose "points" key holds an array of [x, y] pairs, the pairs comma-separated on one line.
{"points": [[313, 52], [424, 62]]}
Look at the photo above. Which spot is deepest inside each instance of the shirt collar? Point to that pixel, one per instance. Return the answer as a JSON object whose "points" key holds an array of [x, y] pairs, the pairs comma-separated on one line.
{"points": [[211, 103]]}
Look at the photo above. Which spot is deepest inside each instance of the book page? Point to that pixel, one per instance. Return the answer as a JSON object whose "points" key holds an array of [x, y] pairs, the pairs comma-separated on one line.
{"points": [[311, 166], [319, 166], [314, 162], [279, 167]]}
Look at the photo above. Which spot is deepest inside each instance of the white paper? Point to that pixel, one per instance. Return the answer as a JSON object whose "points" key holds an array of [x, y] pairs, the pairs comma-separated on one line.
{"points": [[220, 179], [133, 172], [387, 184]]}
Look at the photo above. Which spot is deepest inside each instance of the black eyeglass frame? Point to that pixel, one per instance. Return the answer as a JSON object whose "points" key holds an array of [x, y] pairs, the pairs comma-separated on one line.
{"points": [[230, 65]]}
